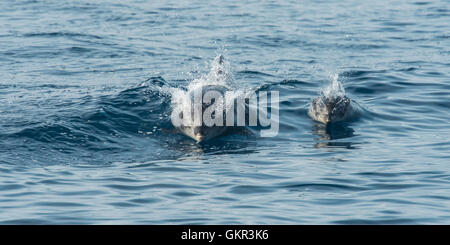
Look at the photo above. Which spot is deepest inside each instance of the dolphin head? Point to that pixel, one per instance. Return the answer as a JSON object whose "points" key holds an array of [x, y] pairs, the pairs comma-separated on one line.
{"points": [[202, 132], [328, 110]]}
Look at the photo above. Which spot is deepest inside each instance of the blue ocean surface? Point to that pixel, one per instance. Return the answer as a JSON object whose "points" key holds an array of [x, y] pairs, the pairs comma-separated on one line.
{"points": [[86, 136]]}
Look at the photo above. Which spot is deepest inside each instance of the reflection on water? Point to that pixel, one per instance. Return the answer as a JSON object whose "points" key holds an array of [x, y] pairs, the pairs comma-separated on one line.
{"points": [[242, 142], [327, 133]]}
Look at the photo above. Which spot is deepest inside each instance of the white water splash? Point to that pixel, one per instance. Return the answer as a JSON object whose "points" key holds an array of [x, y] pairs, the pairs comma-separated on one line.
{"points": [[334, 89], [219, 74]]}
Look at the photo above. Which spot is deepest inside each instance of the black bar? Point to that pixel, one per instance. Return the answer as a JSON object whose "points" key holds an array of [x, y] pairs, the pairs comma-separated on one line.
{"points": [[218, 234]]}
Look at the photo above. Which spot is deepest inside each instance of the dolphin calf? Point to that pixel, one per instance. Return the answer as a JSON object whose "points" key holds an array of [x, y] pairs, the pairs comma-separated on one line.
{"points": [[333, 105], [329, 110]]}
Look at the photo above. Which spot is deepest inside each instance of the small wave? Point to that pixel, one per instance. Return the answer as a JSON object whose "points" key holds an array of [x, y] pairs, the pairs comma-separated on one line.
{"points": [[255, 73], [61, 34]]}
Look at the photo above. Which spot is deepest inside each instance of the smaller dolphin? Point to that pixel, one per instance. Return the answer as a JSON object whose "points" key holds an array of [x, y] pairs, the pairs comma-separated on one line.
{"points": [[331, 109], [333, 105]]}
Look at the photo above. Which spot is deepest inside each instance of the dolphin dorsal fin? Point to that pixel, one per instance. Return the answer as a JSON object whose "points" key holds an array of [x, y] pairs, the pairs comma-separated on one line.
{"points": [[220, 59]]}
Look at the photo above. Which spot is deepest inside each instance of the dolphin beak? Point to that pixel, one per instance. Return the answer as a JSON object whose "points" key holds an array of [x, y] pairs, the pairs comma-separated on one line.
{"points": [[198, 137]]}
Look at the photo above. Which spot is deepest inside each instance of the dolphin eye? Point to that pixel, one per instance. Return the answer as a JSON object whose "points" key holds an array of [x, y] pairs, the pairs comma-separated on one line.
{"points": [[319, 105], [315, 104], [181, 115]]}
